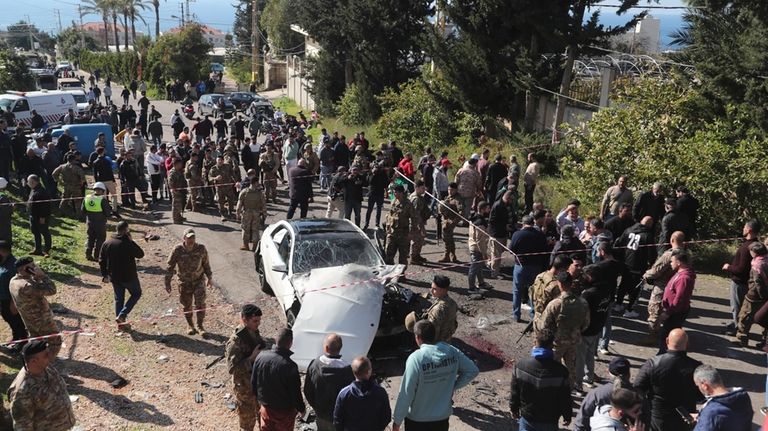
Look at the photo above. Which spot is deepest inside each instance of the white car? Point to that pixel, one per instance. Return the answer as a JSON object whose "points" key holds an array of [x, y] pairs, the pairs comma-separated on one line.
{"points": [[328, 276]]}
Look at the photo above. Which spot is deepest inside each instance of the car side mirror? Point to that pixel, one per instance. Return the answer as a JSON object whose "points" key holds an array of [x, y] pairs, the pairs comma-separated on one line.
{"points": [[279, 267]]}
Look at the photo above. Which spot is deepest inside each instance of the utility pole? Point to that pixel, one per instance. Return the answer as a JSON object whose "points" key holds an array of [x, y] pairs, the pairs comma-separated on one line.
{"points": [[82, 29], [189, 12], [58, 15], [181, 17], [255, 41], [29, 32]]}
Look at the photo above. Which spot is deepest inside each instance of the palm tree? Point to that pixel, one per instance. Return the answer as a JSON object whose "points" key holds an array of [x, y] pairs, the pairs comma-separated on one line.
{"points": [[114, 9], [102, 8], [131, 11], [156, 5]]}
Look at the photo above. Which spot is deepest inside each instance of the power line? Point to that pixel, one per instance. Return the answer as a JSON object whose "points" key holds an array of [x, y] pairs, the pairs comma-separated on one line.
{"points": [[617, 6]]}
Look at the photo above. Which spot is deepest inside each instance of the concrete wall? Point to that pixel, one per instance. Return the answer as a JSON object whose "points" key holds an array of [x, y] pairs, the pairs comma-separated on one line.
{"points": [[275, 73], [296, 84], [545, 115]]}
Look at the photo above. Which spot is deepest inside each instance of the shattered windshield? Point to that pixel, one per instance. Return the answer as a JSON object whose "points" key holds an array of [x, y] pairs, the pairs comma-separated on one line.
{"points": [[328, 251]]}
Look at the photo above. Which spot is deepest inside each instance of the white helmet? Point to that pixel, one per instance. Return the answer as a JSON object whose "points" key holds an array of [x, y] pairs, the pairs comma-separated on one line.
{"points": [[3, 183], [100, 185]]}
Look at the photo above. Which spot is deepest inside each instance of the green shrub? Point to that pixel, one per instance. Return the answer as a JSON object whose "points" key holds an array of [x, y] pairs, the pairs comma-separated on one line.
{"points": [[357, 106]]}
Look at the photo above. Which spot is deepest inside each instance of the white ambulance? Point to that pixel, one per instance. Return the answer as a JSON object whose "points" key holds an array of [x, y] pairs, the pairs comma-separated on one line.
{"points": [[51, 105]]}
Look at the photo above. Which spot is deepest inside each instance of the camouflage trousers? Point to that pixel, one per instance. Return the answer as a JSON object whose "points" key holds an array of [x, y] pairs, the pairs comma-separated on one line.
{"points": [[190, 292], [397, 243], [566, 352], [417, 240], [177, 206], [747, 317], [448, 240], [71, 201], [270, 186], [247, 406], [225, 194], [654, 308], [250, 224], [195, 193]]}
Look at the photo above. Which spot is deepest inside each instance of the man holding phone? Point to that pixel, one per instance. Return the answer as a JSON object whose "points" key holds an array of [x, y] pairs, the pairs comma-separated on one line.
{"points": [[29, 287], [117, 260]]}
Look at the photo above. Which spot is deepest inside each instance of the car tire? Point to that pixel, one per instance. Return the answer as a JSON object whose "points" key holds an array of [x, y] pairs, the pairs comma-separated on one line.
{"points": [[265, 287]]}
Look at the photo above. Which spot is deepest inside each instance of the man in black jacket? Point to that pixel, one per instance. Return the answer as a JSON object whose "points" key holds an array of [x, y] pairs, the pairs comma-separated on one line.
{"points": [[532, 245], [541, 392], [667, 380], [568, 244], [117, 260], [326, 377], [636, 242], [299, 189], [39, 209], [673, 220], [499, 228], [102, 173], [689, 206], [353, 184], [378, 181], [277, 385], [650, 203], [496, 172]]}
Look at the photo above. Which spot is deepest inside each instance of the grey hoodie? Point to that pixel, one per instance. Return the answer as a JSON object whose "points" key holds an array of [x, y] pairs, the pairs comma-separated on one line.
{"points": [[602, 421]]}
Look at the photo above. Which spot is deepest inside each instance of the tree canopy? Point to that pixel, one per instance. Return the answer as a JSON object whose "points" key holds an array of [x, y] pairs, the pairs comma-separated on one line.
{"points": [[183, 56], [14, 74]]}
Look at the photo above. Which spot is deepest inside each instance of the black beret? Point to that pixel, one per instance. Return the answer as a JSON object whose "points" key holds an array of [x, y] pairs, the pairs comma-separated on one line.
{"points": [[24, 261], [33, 347]]}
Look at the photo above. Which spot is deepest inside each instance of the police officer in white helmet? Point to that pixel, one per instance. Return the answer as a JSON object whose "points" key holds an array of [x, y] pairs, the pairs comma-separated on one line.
{"points": [[97, 210]]}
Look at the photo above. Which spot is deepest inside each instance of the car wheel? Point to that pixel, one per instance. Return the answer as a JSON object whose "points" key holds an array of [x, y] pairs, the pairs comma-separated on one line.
{"points": [[292, 313], [265, 287]]}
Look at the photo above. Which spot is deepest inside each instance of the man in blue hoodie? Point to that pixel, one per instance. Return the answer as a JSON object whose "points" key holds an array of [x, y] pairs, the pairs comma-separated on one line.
{"points": [[363, 405], [432, 374], [726, 408]]}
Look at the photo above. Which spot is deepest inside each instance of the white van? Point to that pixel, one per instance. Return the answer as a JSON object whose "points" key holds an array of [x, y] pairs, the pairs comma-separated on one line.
{"points": [[52, 105], [81, 99]]}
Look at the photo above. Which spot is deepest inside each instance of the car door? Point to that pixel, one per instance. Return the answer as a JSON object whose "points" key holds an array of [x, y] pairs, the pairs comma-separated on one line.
{"points": [[276, 254]]}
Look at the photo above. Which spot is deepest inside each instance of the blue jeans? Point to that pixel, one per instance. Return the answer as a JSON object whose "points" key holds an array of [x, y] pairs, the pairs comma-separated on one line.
{"points": [[737, 297], [524, 425], [133, 287], [325, 177], [522, 278], [605, 334]]}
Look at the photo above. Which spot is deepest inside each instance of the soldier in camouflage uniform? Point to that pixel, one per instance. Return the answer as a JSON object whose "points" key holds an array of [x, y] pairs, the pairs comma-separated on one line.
{"points": [[421, 204], [72, 176], [401, 218], [194, 176], [658, 275], [545, 287], [450, 209], [209, 161], [232, 157], [192, 261], [178, 185], [241, 350], [443, 311], [29, 287], [567, 316], [251, 210], [38, 395], [223, 177], [269, 162]]}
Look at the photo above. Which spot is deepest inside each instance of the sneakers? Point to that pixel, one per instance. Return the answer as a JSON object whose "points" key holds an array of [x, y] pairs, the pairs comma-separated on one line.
{"points": [[604, 352], [525, 307], [631, 314]]}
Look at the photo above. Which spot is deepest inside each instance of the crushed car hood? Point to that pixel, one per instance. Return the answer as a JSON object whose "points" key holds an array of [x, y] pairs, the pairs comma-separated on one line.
{"points": [[345, 300]]}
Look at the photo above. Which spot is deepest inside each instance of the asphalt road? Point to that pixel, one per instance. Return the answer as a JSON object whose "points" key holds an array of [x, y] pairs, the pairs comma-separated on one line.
{"points": [[483, 405]]}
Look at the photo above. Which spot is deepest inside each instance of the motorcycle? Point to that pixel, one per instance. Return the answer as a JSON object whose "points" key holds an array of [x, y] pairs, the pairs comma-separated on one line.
{"points": [[188, 110]]}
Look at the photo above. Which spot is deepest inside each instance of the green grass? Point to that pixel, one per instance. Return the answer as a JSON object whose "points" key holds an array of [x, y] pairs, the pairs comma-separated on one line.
{"points": [[68, 252], [331, 124]]}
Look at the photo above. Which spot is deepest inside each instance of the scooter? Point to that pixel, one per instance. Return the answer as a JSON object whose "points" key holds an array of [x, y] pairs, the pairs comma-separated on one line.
{"points": [[188, 110]]}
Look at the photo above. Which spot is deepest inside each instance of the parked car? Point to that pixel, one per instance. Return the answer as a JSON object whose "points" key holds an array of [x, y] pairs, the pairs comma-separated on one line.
{"points": [[217, 67], [215, 104], [328, 276], [70, 84], [242, 99], [81, 99]]}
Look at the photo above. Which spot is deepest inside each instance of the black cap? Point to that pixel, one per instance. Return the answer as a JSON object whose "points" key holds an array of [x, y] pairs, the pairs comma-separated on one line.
{"points": [[24, 261], [442, 281], [32, 348]]}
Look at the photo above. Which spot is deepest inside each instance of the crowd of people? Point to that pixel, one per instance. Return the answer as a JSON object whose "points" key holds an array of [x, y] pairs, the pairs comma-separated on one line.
{"points": [[571, 275]]}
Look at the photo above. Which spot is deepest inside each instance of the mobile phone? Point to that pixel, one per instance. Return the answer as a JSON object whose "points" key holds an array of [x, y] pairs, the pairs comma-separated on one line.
{"points": [[683, 412]]}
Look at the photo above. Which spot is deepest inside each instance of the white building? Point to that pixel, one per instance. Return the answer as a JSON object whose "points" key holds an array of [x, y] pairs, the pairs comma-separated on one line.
{"points": [[645, 38], [214, 36]]}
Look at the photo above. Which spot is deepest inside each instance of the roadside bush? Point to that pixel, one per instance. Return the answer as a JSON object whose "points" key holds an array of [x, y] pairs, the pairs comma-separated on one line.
{"points": [[653, 135], [122, 67], [357, 107]]}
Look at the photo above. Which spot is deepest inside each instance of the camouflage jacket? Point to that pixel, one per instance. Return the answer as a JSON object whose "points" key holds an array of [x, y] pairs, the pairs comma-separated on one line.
{"points": [[239, 347], [70, 175], [401, 217], [421, 207], [269, 164], [192, 264], [192, 174], [251, 200], [545, 288], [40, 402], [176, 181], [29, 295], [442, 314], [454, 204], [221, 174], [568, 316]]}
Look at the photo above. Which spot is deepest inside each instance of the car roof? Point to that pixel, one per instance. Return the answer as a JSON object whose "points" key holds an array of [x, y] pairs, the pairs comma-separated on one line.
{"points": [[313, 226]]}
